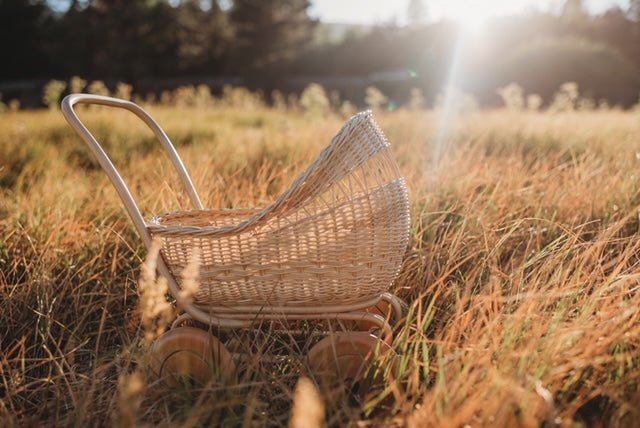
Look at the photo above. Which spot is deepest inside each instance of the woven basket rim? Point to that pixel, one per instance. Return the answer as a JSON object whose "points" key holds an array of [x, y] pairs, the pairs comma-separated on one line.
{"points": [[155, 224], [158, 219]]}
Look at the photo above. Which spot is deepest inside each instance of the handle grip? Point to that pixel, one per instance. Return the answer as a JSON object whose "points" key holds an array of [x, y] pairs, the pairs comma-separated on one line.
{"points": [[121, 187]]}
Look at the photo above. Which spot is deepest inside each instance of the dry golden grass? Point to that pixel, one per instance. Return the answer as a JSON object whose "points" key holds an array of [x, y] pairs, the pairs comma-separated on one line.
{"points": [[522, 276]]}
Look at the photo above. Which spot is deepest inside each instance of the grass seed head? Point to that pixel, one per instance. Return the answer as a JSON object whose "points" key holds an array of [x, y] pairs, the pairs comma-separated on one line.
{"points": [[156, 311], [308, 408]]}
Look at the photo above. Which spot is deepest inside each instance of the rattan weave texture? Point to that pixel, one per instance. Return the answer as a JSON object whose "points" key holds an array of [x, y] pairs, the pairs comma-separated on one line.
{"points": [[336, 236]]}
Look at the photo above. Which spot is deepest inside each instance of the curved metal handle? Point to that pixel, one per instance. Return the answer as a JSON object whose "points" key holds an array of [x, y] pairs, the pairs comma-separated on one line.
{"points": [[105, 162], [124, 193]]}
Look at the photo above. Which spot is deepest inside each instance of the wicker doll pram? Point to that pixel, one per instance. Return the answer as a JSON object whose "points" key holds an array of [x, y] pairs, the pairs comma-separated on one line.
{"points": [[329, 246]]}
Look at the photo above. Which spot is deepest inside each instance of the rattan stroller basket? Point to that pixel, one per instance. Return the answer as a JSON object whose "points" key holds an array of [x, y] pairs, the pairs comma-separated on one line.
{"points": [[334, 240], [314, 264], [336, 236]]}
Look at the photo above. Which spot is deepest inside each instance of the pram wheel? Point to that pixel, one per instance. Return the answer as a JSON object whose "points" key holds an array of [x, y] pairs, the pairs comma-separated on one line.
{"points": [[192, 355], [382, 309], [344, 357], [389, 308]]}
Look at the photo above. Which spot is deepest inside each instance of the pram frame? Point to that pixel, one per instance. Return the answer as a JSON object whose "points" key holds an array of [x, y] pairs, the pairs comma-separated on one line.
{"points": [[235, 316]]}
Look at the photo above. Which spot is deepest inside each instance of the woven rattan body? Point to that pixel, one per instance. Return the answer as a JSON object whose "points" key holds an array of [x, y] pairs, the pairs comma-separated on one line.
{"points": [[335, 237]]}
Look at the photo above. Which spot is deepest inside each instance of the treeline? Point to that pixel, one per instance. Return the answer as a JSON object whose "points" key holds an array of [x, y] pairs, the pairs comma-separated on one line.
{"points": [[134, 39], [274, 44], [539, 51]]}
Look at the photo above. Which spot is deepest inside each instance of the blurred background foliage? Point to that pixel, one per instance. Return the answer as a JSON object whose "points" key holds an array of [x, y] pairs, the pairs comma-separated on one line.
{"points": [[158, 45]]}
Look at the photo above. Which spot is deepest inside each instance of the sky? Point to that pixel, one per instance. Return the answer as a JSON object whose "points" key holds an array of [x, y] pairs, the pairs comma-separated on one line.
{"points": [[384, 11]]}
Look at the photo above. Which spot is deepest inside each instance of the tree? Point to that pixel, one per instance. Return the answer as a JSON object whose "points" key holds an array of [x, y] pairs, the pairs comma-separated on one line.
{"points": [[203, 36], [616, 29], [417, 12], [23, 27], [634, 10], [270, 32], [125, 39], [574, 10]]}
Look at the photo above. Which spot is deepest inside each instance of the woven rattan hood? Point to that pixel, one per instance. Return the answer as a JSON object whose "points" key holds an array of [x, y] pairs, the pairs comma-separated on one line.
{"points": [[343, 155], [336, 236]]}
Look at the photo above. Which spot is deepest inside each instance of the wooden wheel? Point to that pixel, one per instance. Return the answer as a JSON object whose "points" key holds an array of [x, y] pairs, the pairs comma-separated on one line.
{"points": [[383, 309], [189, 353], [344, 356]]}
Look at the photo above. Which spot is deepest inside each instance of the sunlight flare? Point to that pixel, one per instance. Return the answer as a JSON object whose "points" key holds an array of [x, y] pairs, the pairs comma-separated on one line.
{"points": [[473, 15]]}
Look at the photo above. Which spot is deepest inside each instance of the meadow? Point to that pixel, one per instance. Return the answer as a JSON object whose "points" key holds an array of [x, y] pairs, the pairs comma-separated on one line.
{"points": [[522, 277]]}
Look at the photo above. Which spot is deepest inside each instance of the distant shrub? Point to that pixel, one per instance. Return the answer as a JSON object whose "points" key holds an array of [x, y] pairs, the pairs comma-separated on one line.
{"points": [[123, 91], [204, 98], [534, 102], [278, 100], [77, 84], [151, 98], [240, 97], [97, 87], [52, 93], [416, 99], [566, 99], [314, 100], [512, 96], [184, 96], [14, 105], [189, 96], [586, 104], [374, 98], [456, 100], [166, 98], [347, 109]]}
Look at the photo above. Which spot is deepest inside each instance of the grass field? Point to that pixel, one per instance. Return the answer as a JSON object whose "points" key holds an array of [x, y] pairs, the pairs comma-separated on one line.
{"points": [[520, 275]]}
